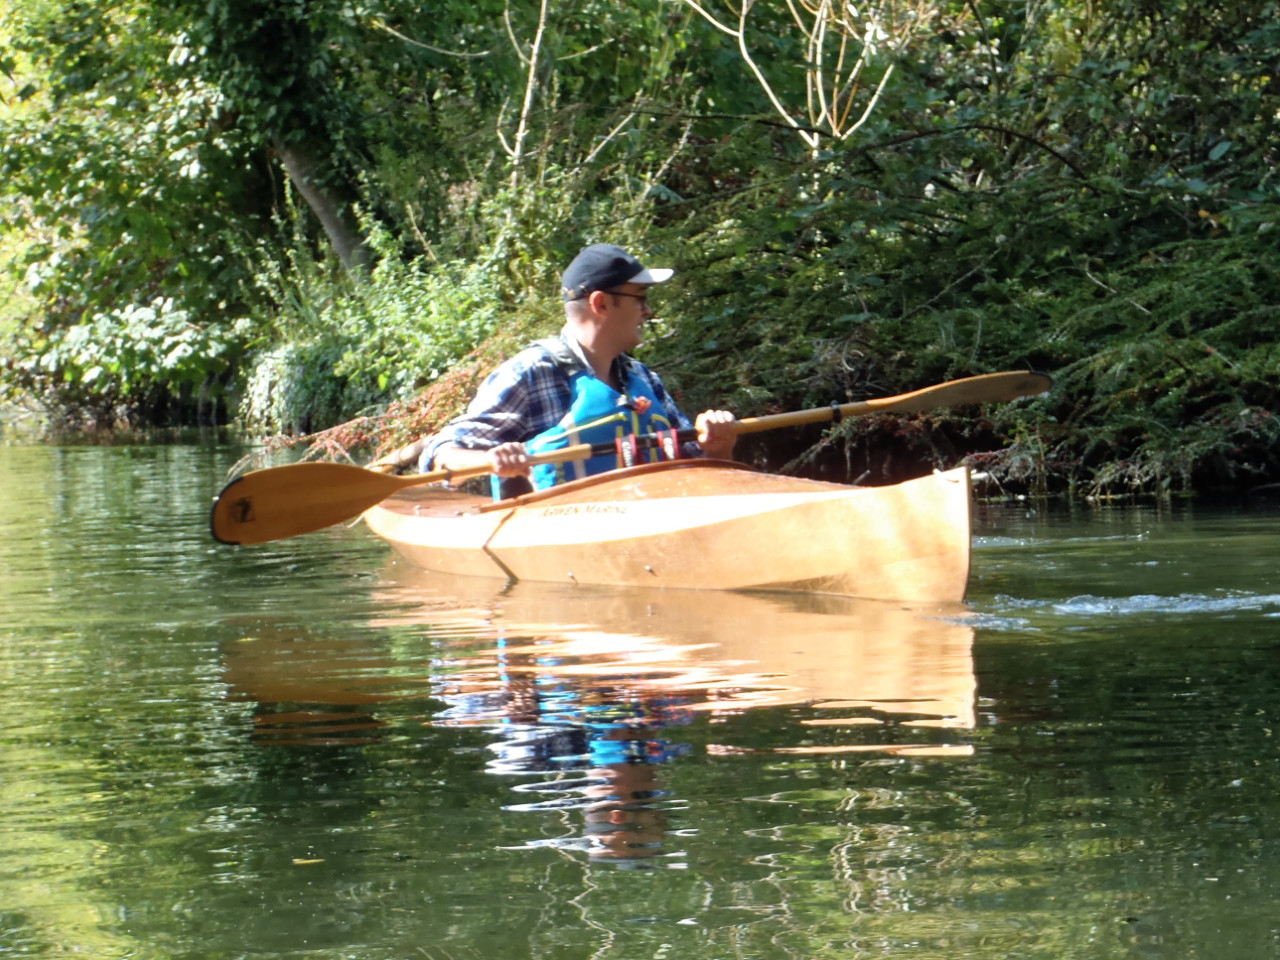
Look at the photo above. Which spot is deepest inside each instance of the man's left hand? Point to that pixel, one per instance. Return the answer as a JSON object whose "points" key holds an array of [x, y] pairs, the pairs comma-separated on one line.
{"points": [[716, 434]]}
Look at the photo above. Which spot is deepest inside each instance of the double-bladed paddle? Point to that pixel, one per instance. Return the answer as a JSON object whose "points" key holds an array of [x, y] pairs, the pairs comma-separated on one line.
{"points": [[282, 502]]}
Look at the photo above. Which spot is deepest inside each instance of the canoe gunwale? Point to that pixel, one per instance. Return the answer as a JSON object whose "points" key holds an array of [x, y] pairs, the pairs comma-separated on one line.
{"points": [[573, 487]]}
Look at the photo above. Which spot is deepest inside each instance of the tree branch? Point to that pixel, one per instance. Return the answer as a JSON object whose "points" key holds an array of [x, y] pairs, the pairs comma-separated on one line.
{"points": [[334, 215], [522, 131], [711, 20], [380, 25], [506, 20], [875, 98], [609, 136], [811, 139]]}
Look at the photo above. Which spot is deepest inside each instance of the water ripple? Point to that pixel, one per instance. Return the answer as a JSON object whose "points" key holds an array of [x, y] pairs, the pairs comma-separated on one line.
{"points": [[1011, 611]]}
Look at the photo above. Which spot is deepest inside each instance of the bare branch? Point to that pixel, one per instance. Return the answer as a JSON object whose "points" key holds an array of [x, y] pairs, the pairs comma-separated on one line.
{"points": [[583, 53], [609, 136], [676, 151], [711, 20], [531, 82], [808, 138], [515, 44], [380, 25], [817, 39], [502, 116], [871, 104], [833, 30]]}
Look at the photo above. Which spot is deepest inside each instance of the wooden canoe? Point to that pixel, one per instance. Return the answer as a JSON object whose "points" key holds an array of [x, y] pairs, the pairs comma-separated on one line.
{"points": [[703, 524]]}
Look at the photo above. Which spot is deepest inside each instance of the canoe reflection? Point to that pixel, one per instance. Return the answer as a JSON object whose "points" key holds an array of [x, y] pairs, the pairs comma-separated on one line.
{"points": [[718, 651], [588, 692], [586, 689]]}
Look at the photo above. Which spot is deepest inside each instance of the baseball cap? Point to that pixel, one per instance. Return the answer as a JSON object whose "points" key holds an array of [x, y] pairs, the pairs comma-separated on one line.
{"points": [[603, 265]]}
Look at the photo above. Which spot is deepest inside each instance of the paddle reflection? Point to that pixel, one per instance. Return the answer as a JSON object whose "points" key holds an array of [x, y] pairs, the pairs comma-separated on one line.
{"points": [[310, 690]]}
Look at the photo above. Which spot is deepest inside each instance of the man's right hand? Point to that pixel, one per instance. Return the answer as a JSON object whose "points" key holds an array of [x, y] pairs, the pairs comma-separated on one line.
{"points": [[716, 434], [397, 460]]}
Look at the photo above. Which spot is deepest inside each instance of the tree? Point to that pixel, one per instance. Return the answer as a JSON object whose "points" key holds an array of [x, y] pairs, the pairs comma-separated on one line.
{"points": [[115, 160]]}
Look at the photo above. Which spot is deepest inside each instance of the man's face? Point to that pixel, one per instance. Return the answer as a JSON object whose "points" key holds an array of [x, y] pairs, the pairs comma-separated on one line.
{"points": [[626, 309]]}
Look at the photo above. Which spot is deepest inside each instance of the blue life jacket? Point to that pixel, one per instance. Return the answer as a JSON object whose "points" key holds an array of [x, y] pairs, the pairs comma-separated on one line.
{"points": [[597, 414]]}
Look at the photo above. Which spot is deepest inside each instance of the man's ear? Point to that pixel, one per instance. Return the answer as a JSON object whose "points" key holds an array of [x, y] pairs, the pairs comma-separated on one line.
{"points": [[597, 300]]}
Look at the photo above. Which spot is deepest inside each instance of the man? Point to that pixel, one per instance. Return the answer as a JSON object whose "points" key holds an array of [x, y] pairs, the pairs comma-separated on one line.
{"points": [[581, 387]]}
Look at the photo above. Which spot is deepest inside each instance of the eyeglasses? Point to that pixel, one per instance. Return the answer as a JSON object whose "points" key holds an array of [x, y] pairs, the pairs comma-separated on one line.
{"points": [[642, 297]]}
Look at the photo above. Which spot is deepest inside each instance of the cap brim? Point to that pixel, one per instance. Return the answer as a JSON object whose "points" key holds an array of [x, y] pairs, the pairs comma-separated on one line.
{"points": [[655, 275]]}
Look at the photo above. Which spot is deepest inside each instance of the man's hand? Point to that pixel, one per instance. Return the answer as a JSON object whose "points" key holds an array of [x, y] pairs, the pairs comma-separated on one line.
{"points": [[505, 460], [716, 434], [510, 460], [398, 460]]}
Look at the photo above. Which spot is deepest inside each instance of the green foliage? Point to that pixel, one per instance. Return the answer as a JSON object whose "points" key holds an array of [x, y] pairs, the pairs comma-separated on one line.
{"points": [[1049, 212], [338, 344], [1090, 191], [140, 346], [122, 365], [141, 172], [129, 192], [128, 172]]}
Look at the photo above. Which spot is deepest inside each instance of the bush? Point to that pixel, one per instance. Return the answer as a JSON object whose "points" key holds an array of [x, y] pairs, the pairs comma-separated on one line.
{"points": [[340, 344]]}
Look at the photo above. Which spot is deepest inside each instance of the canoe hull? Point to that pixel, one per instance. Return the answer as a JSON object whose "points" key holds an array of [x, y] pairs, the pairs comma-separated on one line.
{"points": [[703, 524]]}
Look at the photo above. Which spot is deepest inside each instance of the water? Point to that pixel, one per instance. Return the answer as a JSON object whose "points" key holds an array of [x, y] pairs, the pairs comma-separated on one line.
{"points": [[304, 749]]}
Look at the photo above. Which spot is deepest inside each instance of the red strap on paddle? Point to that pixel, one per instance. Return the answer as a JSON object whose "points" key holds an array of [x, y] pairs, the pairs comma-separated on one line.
{"points": [[628, 450], [669, 443]]}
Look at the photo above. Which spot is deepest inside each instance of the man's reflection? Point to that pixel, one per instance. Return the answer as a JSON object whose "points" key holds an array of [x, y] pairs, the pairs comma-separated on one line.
{"points": [[605, 757], [623, 821], [579, 713]]}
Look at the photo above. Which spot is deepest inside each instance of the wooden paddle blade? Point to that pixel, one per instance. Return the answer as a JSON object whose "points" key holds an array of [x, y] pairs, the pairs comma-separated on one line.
{"points": [[283, 502], [986, 388]]}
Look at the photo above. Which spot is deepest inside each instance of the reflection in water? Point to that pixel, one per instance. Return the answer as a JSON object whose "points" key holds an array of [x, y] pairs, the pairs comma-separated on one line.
{"points": [[588, 710], [313, 690], [607, 771]]}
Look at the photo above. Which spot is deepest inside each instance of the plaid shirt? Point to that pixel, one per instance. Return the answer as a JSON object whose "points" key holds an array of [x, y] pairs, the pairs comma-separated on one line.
{"points": [[527, 395]]}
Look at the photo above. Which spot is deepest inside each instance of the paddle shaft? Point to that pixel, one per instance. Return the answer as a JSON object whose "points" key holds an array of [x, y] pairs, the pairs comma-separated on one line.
{"points": [[282, 502]]}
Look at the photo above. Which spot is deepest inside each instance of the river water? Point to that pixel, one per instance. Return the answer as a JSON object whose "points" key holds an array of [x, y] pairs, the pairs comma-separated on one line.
{"points": [[306, 750]]}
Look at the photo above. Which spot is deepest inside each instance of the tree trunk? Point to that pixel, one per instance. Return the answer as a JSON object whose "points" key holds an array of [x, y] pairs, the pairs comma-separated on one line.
{"points": [[335, 215]]}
